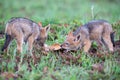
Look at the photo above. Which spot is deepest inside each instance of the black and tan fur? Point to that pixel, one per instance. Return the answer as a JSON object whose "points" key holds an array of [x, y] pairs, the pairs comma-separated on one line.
{"points": [[96, 30], [24, 30]]}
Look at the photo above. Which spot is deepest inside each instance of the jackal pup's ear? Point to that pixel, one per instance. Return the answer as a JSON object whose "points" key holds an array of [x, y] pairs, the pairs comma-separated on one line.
{"points": [[47, 28], [40, 24], [70, 33], [77, 38]]}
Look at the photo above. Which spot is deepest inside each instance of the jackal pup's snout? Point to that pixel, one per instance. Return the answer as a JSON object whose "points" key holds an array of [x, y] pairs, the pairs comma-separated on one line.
{"points": [[43, 35], [71, 42]]}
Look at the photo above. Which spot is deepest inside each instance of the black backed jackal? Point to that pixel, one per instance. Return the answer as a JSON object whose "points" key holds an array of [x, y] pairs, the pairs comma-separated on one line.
{"points": [[98, 30], [24, 30]]}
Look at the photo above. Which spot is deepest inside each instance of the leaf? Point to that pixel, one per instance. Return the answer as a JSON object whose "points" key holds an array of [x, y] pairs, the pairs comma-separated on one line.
{"points": [[98, 67], [45, 69], [40, 24], [9, 75], [55, 46]]}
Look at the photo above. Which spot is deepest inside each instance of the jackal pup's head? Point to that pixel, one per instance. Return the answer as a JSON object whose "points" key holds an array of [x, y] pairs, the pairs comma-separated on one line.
{"points": [[43, 34], [72, 42]]}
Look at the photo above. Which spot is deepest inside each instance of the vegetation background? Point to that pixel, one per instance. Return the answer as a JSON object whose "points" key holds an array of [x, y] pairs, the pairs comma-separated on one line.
{"points": [[64, 16]]}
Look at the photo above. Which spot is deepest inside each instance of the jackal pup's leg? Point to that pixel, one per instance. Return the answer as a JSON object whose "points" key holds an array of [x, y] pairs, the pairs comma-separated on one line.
{"points": [[107, 40], [19, 44], [8, 39], [87, 45], [30, 43]]}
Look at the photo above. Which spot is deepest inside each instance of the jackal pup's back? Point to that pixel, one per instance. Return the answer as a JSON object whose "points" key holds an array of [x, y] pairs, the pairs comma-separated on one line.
{"points": [[98, 30], [23, 29]]}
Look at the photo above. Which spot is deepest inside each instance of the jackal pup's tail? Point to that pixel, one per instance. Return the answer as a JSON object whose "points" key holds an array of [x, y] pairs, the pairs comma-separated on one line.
{"points": [[8, 39], [112, 38]]}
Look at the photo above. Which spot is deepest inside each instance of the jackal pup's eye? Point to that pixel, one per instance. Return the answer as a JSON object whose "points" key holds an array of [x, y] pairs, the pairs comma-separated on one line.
{"points": [[66, 43]]}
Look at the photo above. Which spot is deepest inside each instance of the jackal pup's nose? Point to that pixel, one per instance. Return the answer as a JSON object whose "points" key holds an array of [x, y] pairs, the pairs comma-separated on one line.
{"points": [[61, 45]]}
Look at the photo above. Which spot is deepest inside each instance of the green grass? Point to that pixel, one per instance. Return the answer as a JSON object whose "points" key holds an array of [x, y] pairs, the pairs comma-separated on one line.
{"points": [[57, 13]]}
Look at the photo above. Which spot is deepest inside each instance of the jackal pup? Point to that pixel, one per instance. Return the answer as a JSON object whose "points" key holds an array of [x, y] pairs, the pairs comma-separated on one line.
{"points": [[98, 30], [24, 30]]}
